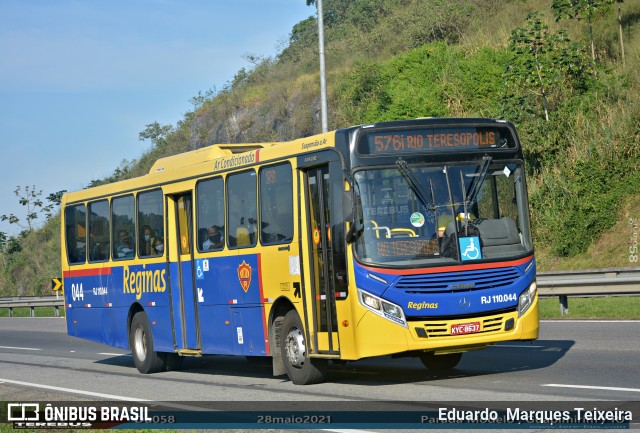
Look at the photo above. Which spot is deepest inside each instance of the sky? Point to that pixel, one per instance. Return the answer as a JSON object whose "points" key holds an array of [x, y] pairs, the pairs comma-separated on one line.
{"points": [[80, 79]]}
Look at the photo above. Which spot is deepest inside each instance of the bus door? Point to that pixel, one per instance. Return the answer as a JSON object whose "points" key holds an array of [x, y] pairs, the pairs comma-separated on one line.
{"points": [[184, 298], [320, 300]]}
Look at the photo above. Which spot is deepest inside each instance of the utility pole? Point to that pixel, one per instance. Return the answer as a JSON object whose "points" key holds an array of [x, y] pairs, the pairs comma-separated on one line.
{"points": [[323, 77]]}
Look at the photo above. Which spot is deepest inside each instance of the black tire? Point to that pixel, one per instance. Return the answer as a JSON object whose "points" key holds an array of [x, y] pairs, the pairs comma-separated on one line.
{"points": [[301, 369], [440, 362], [145, 358]]}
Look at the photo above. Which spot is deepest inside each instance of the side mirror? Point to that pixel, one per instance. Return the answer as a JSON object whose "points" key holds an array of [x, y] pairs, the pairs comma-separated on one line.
{"points": [[352, 215]]}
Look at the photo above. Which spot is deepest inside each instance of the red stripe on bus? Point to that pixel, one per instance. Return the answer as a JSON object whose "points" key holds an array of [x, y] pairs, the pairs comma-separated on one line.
{"points": [[87, 272], [441, 269], [257, 155], [264, 317]]}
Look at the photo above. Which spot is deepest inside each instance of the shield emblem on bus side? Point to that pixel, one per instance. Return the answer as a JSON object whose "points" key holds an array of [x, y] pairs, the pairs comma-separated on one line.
{"points": [[244, 275]]}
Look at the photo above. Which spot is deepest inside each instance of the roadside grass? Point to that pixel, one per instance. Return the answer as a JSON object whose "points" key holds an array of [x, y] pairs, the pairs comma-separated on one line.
{"points": [[25, 312], [610, 251], [611, 307]]}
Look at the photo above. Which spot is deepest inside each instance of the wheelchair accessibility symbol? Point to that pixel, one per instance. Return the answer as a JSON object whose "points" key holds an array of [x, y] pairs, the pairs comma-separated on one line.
{"points": [[200, 269], [470, 248]]}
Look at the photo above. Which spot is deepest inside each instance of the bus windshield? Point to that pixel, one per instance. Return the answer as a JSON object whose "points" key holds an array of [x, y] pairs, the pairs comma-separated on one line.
{"points": [[442, 214]]}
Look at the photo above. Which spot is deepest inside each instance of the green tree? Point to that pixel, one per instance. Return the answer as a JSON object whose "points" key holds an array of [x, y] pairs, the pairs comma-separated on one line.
{"points": [[197, 102], [545, 65], [30, 197], [580, 9], [303, 38], [155, 133], [13, 244]]}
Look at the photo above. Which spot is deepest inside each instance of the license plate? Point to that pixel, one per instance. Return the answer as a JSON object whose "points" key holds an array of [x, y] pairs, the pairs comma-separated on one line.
{"points": [[465, 328]]}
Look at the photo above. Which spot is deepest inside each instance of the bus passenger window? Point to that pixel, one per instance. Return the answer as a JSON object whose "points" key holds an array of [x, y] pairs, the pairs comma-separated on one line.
{"points": [[242, 215], [122, 215], [150, 224], [210, 203], [76, 234], [276, 205], [99, 231]]}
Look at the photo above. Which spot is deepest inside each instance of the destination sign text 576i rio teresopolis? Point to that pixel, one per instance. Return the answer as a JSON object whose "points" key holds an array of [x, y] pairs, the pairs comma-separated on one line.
{"points": [[440, 139]]}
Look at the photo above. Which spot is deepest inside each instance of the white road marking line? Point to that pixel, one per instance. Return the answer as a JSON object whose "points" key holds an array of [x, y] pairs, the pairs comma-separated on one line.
{"points": [[605, 388], [18, 348], [73, 391], [114, 354]]}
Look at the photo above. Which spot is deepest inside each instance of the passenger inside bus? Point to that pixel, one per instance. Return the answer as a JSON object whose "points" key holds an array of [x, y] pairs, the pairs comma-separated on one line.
{"points": [[146, 242], [125, 247], [214, 239], [158, 246]]}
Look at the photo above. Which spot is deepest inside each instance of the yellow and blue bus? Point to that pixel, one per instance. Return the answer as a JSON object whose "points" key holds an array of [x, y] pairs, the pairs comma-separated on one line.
{"points": [[405, 238]]}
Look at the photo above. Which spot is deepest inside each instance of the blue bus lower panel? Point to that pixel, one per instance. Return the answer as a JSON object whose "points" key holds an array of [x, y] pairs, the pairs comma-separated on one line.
{"points": [[232, 330], [102, 325], [229, 315]]}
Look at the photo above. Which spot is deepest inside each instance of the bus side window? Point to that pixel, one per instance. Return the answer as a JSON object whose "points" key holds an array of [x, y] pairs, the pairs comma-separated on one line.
{"points": [[150, 224], [76, 234], [122, 215], [276, 205], [99, 231], [241, 209], [210, 218]]}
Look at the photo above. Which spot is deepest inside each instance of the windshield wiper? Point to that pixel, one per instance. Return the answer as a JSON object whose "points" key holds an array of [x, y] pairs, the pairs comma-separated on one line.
{"points": [[475, 186], [415, 184]]}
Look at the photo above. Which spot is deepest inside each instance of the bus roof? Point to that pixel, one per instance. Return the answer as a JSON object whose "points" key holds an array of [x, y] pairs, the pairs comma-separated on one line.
{"points": [[226, 157], [205, 161], [202, 155]]}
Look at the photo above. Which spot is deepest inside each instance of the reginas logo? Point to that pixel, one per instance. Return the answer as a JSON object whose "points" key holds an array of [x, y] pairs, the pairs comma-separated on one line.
{"points": [[143, 281], [422, 305]]}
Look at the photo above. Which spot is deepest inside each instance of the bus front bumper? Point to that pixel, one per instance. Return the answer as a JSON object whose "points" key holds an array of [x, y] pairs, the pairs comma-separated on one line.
{"points": [[379, 336]]}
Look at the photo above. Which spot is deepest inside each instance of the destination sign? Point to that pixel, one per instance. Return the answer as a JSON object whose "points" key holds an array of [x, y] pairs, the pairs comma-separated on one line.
{"points": [[435, 140]]}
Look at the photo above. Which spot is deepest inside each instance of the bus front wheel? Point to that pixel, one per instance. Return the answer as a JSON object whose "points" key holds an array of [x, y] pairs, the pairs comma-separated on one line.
{"points": [[301, 369], [141, 342], [440, 362]]}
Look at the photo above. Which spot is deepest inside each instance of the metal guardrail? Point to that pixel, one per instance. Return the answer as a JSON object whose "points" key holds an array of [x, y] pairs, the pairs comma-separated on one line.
{"points": [[598, 282], [33, 302]]}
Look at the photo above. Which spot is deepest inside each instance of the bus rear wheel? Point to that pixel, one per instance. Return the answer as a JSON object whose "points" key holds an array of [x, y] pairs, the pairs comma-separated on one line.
{"points": [[301, 369], [440, 362], [141, 342]]}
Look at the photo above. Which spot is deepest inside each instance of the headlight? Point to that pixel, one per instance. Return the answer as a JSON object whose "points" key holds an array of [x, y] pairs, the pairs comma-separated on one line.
{"points": [[526, 298], [382, 308], [370, 301]]}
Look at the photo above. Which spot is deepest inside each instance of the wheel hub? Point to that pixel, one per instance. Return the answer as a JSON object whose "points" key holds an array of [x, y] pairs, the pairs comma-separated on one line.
{"points": [[295, 347], [140, 343]]}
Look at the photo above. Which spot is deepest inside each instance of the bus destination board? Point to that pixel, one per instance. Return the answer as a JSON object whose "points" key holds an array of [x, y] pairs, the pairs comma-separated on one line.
{"points": [[435, 140]]}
